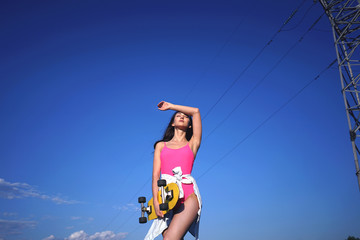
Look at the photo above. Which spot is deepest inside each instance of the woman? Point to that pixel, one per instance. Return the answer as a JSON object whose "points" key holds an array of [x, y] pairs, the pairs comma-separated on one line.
{"points": [[173, 158]]}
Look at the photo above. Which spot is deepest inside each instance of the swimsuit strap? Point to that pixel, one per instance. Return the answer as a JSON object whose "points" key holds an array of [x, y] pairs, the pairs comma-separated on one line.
{"points": [[187, 144]]}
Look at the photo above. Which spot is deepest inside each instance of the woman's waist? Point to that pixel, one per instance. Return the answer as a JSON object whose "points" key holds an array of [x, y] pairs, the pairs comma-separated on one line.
{"points": [[176, 178], [170, 173], [169, 169]]}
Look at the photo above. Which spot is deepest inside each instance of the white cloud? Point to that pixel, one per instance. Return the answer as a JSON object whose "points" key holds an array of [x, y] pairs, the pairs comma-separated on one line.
{"points": [[51, 237], [81, 235], [107, 235], [9, 214], [10, 190], [128, 207], [8, 227]]}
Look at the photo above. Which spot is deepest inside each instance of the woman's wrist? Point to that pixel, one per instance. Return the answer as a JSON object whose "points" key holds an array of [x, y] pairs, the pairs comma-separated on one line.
{"points": [[172, 107]]}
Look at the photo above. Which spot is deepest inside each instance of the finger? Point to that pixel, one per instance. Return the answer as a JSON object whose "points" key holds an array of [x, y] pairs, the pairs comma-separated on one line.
{"points": [[160, 104]]}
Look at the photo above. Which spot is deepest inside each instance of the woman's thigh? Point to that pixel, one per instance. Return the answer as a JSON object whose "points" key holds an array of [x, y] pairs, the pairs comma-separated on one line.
{"points": [[183, 218]]}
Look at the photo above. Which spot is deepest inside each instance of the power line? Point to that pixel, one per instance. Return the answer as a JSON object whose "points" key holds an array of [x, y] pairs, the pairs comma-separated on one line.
{"points": [[135, 230], [302, 19], [213, 59], [132, 215], [267, 119], [266, 75], [126, 221], [255, 58], [131, 199]]}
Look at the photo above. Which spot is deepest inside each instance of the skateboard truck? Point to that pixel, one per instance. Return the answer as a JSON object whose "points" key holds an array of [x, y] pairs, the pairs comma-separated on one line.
{"points": [[164, 195], [144, 209]]}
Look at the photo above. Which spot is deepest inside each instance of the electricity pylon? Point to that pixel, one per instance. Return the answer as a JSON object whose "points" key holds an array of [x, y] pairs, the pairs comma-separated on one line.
{"points": [[345, 22]]}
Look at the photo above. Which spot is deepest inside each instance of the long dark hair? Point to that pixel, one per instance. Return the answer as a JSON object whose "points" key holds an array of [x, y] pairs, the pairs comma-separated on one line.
{"points": [[169, 132]]}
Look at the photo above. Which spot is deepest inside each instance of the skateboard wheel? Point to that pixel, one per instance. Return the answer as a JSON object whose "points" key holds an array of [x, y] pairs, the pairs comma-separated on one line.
{"points": [[161, 183], [142, 220], [142, 199], [164, 206]]}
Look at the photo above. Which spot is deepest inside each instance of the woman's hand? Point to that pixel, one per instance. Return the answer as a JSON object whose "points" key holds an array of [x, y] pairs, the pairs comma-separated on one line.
{"points": [[163, 106], [158, 212]]}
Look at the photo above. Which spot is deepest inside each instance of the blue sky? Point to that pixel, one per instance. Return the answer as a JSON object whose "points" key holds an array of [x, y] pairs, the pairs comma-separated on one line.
{"points": [[80, 81]]}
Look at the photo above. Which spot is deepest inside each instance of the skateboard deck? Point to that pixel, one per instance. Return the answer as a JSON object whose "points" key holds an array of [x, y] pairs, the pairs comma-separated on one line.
{"points": [[171, 192]]}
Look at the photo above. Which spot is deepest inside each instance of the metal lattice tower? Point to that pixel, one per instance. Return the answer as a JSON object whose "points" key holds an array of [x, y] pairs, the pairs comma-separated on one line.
{"points": [[345, 22]]}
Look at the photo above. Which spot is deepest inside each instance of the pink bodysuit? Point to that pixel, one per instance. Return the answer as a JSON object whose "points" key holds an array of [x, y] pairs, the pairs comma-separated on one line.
{"points": [[181, 157]]}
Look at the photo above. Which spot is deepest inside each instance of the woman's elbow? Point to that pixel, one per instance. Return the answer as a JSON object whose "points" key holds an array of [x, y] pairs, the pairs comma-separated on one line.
{"points": [[196, 111]]}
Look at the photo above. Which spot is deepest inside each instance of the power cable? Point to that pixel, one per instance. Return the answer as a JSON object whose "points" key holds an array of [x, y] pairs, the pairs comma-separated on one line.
{"points": [[135, 230], [266, 75], [125, 221], [213, 59], [266, 120], [302, 19], [254, 59], [125, 179], [321, 30], [118, 214]]}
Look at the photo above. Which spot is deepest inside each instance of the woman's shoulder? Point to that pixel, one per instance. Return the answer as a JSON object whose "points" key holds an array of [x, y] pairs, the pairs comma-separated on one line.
{"points": [[159, 145]]}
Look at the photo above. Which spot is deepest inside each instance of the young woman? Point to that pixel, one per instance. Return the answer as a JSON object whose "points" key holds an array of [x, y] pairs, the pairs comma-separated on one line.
{"points": [[174, 157]]}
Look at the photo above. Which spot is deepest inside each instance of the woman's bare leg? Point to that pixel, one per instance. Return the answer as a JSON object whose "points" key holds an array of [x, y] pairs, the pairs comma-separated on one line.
{"points": [[183, 219], [164, 234]]}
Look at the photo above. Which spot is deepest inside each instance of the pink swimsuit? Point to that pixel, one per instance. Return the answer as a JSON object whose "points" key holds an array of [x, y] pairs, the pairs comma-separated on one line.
{"points": [[181, 157]]}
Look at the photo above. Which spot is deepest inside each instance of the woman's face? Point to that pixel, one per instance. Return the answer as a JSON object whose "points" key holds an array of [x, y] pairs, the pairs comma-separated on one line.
{"points": [[181, 120]]}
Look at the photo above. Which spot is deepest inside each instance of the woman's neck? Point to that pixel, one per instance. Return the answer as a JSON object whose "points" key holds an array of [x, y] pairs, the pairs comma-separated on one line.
{"points": [[179, 136]]}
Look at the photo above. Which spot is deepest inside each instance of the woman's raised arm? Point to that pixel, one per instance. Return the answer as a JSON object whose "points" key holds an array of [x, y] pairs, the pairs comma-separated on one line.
{"points": [[196, 119]]}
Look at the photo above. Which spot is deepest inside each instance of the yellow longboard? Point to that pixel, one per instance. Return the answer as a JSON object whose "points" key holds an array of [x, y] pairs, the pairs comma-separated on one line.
{"points": [[171, 196]]}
